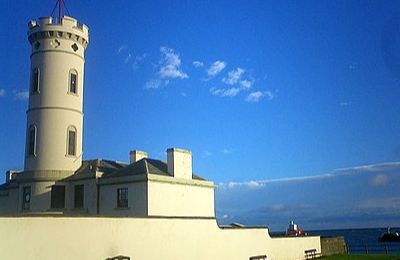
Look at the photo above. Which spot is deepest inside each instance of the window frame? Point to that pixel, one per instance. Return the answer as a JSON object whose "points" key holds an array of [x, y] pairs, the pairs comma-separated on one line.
{"points": [[35, 78], [70, 82], [32, 140], [122, 198], [71, 152]]}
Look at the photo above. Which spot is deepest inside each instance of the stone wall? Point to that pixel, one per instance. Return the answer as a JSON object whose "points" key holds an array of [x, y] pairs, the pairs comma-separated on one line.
{"points": [[333, 246], [99, 238]]}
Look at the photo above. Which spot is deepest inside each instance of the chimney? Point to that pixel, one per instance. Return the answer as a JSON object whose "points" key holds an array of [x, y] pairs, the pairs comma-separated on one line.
{"points": [[137, 155], [179, 163], [10, 175]]}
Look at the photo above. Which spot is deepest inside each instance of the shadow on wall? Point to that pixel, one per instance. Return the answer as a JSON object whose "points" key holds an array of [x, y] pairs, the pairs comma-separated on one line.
{"points": [[52, 198]]}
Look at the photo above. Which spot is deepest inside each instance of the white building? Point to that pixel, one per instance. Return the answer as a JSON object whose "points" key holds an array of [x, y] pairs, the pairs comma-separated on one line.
{"points": [[58, 193]]}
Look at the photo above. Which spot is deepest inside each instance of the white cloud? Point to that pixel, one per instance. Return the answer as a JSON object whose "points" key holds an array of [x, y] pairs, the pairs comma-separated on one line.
{"points": [[379, 180], [122, 48], [2, 92], [207, 154], [379, 167], [170, 65], [269, 94], [246, 84], [153, 84], [345, 104], [255, 184], [138, 59], [381, 204], [226, 151], [142, 57], [256, 96], [216, 68], [133, 59], [130, 57], [249, 185], [233, 76], [390, 166], [127, 58], [229, 92], [21, 95], [198, 64]]}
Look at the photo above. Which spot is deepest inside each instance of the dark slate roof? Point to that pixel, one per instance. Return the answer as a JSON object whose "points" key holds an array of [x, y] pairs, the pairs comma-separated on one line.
{"points": [[112, 169], [100, 165], [89, 167], [144, 166], [4, 186], [8, 185]]}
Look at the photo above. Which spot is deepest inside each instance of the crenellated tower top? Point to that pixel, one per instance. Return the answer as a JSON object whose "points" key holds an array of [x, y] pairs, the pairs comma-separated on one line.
{"points": [[67, 28]]}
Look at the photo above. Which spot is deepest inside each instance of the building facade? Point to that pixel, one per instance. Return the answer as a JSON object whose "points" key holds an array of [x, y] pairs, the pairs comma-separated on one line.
{"points": [[55, 179], [136, 204]]}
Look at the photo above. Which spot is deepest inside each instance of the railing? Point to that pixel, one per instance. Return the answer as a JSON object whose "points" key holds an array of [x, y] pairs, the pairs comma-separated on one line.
{"points": [[381, 248]]}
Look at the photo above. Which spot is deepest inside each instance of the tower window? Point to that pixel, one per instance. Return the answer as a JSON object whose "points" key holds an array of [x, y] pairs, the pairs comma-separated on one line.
{"points": [[26, 198], [122, 198], [71, 141], [78, 196], [32, 140], [73, 82], [35, 81], [58, 197]]}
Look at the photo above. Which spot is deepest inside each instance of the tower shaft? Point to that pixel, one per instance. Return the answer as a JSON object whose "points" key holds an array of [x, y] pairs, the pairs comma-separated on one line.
{"points": [[55, 113]]}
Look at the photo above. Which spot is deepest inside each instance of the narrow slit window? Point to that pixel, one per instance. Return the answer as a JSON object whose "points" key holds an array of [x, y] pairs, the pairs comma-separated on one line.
{"points": [[35, 81], [26, 198], [32, 140], [73, 82], [71, 142]]}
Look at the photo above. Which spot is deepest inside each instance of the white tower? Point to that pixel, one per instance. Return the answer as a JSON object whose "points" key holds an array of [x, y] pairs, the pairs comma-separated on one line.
{"points": [[55, 117]]}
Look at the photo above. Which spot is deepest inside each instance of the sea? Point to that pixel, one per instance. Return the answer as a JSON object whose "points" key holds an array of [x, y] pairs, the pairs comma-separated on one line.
{"points": [[363, 240]]}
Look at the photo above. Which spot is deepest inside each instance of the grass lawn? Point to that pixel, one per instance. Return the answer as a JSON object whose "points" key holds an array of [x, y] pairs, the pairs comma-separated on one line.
{"points": [[363, 257]]}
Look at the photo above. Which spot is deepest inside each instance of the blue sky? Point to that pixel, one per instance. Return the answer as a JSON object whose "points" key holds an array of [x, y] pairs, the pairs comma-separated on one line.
{"points": [[258, 90]]}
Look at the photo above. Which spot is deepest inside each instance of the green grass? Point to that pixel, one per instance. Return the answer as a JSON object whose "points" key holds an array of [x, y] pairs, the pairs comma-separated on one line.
{"points": [[363, 257]]}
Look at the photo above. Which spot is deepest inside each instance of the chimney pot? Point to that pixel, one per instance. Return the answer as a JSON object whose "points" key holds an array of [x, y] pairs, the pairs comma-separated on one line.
{"points": [[137, 155]]}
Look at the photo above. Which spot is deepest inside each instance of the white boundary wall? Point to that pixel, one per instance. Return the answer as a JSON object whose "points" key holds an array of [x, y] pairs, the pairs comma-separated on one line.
{"points": [[98, 238]]}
